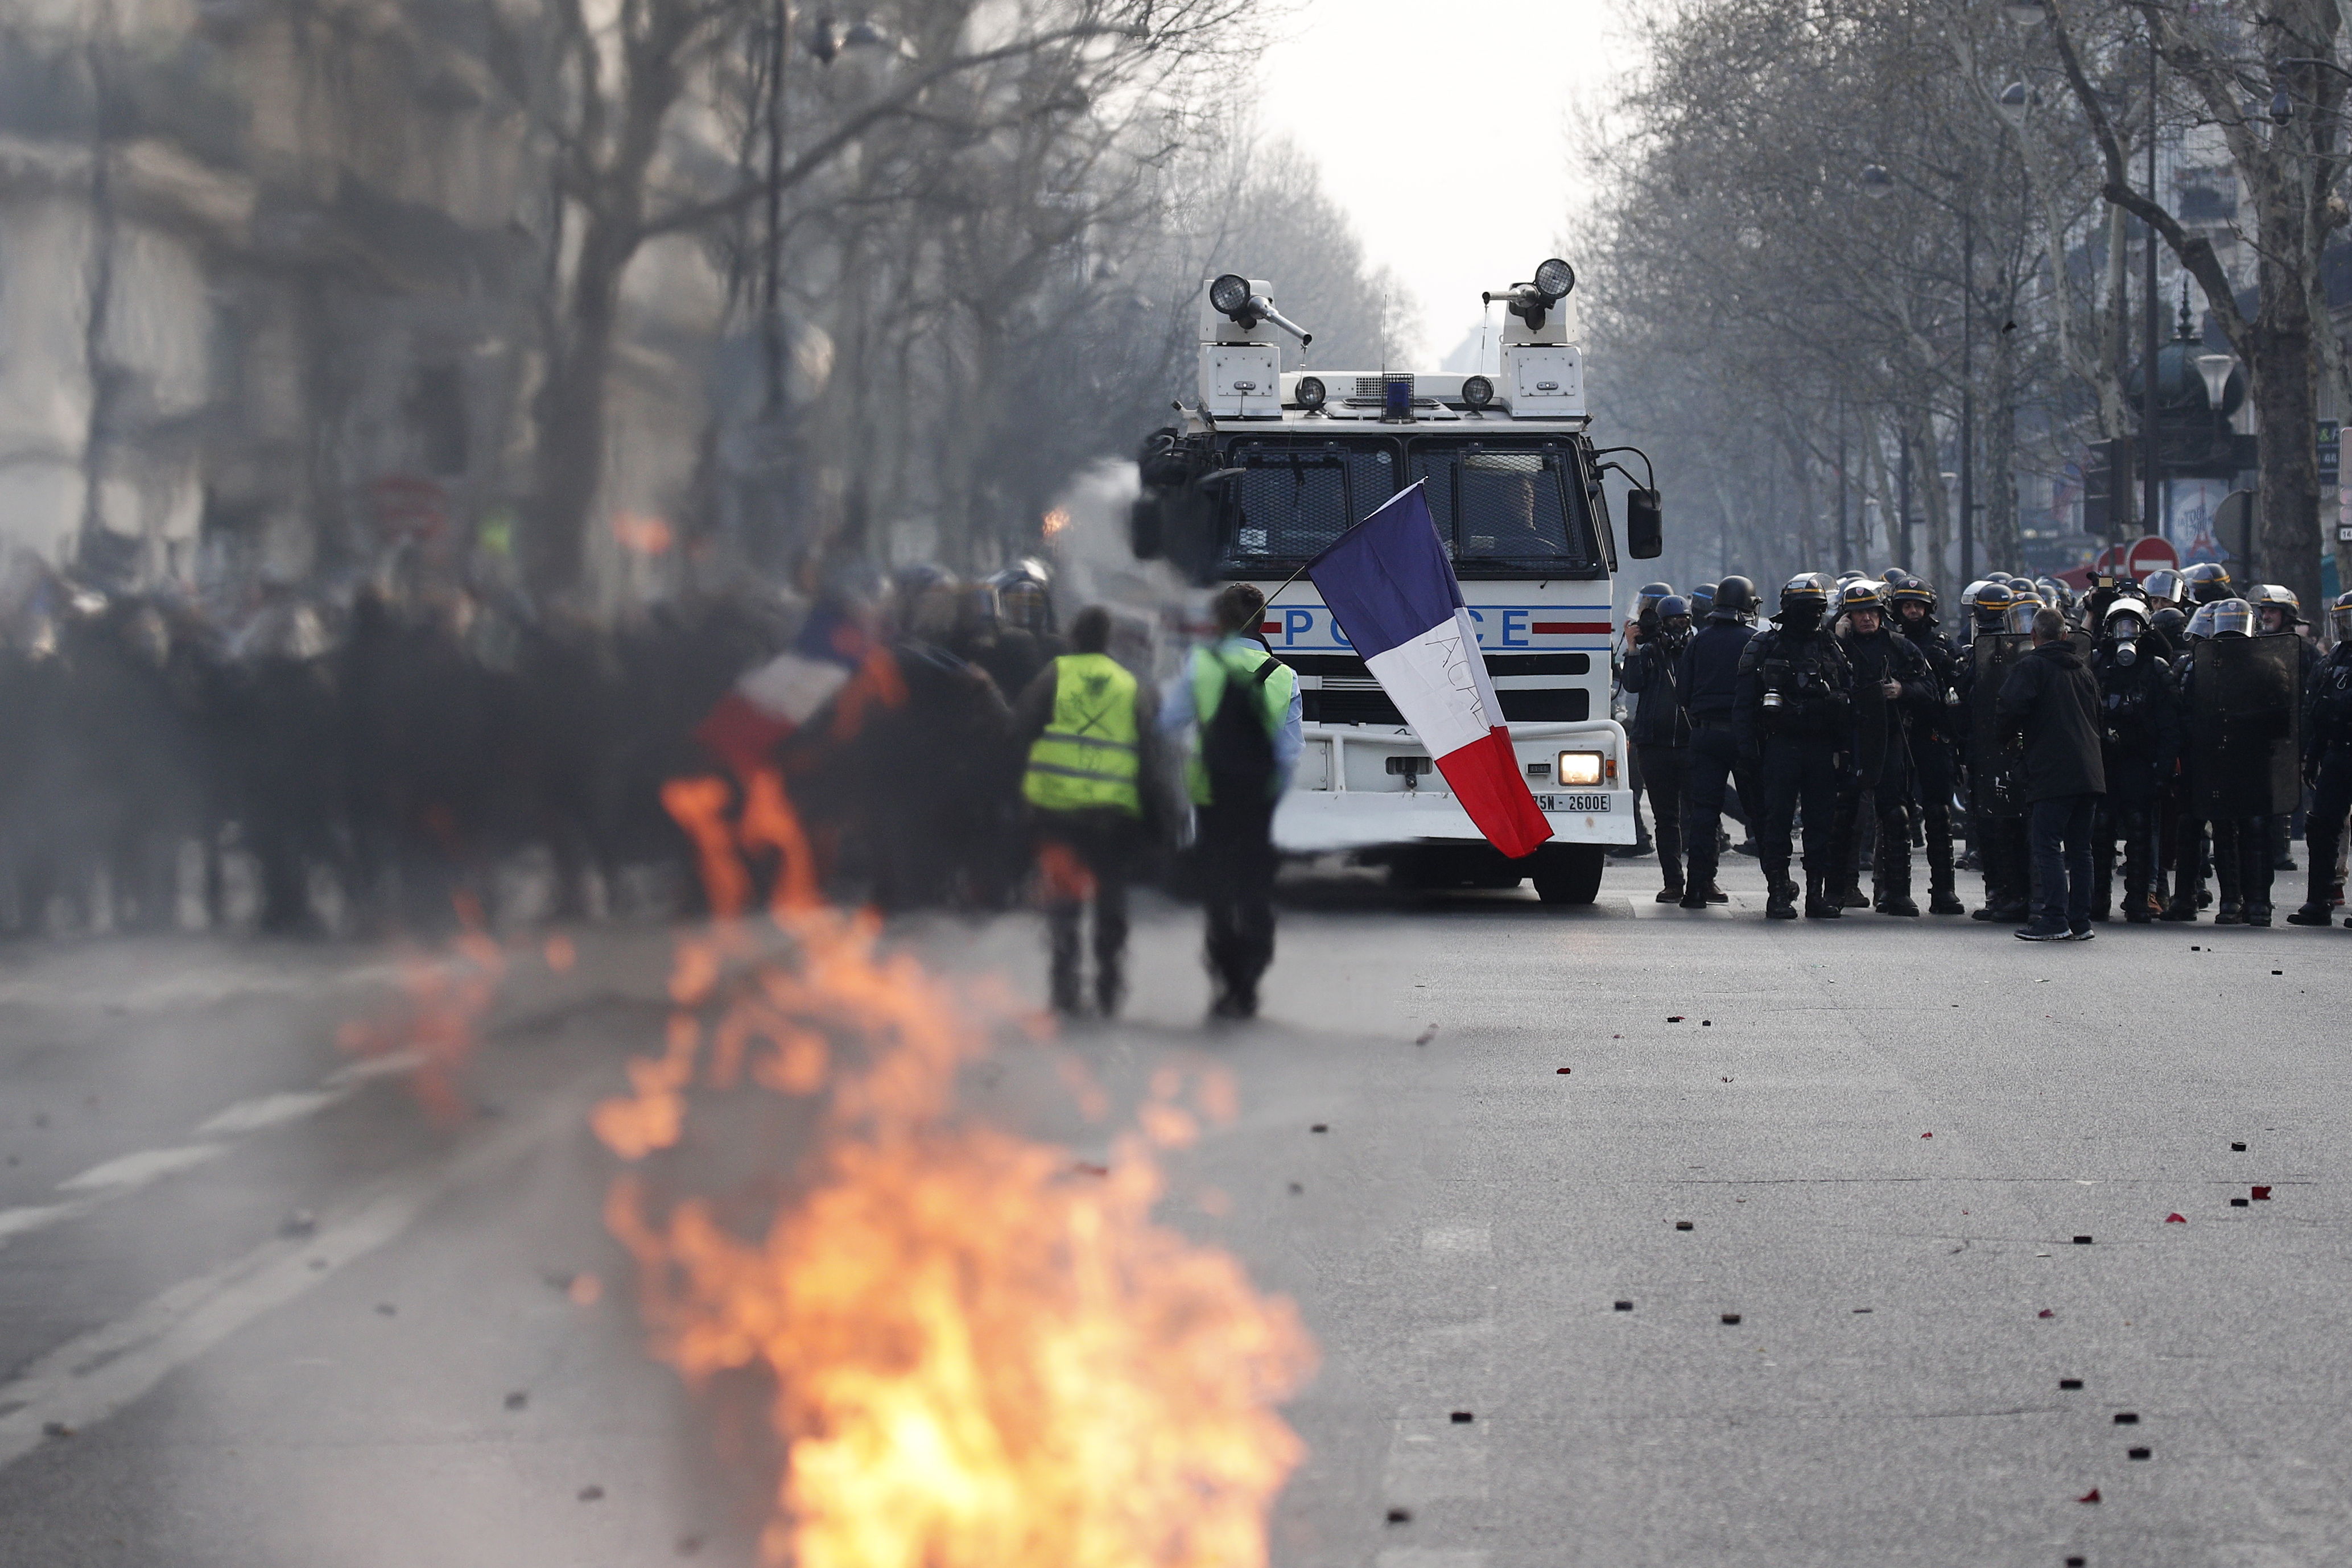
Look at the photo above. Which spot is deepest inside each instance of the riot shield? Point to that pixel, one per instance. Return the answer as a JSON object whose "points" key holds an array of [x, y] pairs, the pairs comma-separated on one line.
{"points": [[1995, 761], [2243, 713]]}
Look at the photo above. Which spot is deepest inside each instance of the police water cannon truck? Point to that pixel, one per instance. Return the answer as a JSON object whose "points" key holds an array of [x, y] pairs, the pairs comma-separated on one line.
{"points": [[1267, 467]]}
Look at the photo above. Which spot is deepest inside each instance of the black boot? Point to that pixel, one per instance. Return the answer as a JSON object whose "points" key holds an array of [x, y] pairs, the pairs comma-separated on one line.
{"points": [[2315, 910], [1779, 902], [1820, 903], [1110, 989], [1894, 881]]}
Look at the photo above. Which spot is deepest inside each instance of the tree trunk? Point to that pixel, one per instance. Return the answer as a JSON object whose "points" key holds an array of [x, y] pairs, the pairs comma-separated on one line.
{"points": [[2285, 402], [567, 456]]}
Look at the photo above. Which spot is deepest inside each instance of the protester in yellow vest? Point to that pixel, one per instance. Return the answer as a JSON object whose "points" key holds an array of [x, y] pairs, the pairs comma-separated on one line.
{"points": [[1241, 763], [1088, 786]]}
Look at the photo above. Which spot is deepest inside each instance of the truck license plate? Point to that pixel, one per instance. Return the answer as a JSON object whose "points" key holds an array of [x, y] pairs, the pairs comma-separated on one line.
{"points": [[1572, 803]]}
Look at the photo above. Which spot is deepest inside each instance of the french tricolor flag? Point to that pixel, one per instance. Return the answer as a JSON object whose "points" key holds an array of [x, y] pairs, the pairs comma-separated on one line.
{"points": [[773, 699], [1393, 592]]}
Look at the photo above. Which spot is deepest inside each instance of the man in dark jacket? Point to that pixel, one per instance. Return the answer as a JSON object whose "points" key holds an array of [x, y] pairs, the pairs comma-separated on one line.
{"points": [[1890, 678], [1706, 680], [2053, 697], [1661, 731], [1794, 716]]}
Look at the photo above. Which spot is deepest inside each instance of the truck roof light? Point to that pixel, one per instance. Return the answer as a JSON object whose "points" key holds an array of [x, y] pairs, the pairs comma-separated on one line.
{"points": [[1477, 390], [1310, 392], [1555, 278], [1230, 295]]}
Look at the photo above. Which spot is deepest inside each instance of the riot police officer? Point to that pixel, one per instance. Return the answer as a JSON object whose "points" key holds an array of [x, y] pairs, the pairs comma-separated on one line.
{"points": [[1935, 732], [2328, 765], [2001, 621], [1795, 717], [1661, 731], [2240, 692], [1891, 679], [2207, 583], [1707, 678], [2139, 739]]}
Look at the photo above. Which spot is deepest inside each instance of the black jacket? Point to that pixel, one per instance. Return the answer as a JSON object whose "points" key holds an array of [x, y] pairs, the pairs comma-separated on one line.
{"points": [[2053, 697], [1812, 681], [1708, 675], [2140, 712], [2327, 707], [1934, 718], [1879, 729], [1653, 672]]}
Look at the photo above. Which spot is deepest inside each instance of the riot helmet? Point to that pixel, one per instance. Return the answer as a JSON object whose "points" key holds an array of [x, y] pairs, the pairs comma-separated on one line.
{"points": [[1674, 618], [1988, 602], [2339, 617], [2171, 622], [1862, 593], [1804, 600], [1893, 576], [2057, 595], [2201, 624], [2268, 596], [1647, 599], [1912, 591], [2164, 586], [2126, 619], [1702, 600], [2019, 616], [1851, 575], [2232, 618], [2208, 582], [1735, 596], [1023, 598]]}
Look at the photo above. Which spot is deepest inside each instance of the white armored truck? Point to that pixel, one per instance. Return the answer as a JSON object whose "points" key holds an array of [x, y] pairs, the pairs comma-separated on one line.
{"points": [[1269, 467]]}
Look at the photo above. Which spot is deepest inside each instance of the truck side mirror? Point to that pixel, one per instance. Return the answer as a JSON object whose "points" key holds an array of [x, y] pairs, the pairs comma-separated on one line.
{"points": [[1645, 529]]}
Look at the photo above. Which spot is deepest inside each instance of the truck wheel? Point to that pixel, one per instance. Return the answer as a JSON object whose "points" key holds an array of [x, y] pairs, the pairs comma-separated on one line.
{"points": [[1568, 873]]}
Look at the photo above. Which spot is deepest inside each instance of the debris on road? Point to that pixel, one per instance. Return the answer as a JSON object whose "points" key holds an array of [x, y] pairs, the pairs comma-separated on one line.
{"points": [[2068, 1384], [2127, 1417], [1731, 1317], [1624, 1306], [1400, 1516], [301, 1222], [2259, 1194], [591, 1494], [2090, 1496], [1463, 1417], [2082, 1241], [1426, 1035], [517, 1400], [2176, 1219], [2139, 1452], [1321, 1127], [386, 1309], [55, 1429], [1682, 1225]]}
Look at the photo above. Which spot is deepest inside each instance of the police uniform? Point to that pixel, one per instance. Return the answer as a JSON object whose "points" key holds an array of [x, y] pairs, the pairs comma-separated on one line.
{"points": [[1795, 714], [1707, 675], [2328, 766], [1935, 736], [2139, 737], [1879, 779]]}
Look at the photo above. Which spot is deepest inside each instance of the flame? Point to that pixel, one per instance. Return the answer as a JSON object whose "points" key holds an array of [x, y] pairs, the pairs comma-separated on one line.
{"points": [[641, 535], [1054, 522], [984, 1354]]}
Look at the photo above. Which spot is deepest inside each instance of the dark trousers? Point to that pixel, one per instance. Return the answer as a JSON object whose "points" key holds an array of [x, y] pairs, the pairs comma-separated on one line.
{"points": [[1711, 763], [1798, 771], [2061, 833], [1665, 772], [1086, 857], [2126, 812], [1235, 845], [1931, 788], [1887, 804], [2322, 827], [2242, 859]]}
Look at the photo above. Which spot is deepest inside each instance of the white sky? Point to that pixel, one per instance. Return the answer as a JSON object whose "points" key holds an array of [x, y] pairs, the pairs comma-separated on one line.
{"points": [[1471, 188]]}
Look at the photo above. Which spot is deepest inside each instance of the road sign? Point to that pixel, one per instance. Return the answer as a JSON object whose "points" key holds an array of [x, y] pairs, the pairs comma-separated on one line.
{"points": [[2153, 553], [2331, 451]]}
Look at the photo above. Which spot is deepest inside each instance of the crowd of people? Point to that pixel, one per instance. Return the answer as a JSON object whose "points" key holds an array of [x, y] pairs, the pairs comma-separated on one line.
{"points": [[2171, 725], [388, 758]]}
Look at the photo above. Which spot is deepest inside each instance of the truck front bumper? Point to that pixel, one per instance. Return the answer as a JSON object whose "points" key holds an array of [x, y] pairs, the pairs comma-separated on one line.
{"points": [[1344, 796]]}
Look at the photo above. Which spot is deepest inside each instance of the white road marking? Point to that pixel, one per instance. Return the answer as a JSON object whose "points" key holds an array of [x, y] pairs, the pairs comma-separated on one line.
{"points": [[137, 1170], [93, 1376], [1429, 1458], [129, 1172], [268, 1111]]}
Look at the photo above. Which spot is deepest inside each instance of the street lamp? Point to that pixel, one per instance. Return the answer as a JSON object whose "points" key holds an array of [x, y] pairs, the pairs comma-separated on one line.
{"points": [[2281, 106], [2215, 369], [2012, 101], [2026, 13], [1876, 183]]}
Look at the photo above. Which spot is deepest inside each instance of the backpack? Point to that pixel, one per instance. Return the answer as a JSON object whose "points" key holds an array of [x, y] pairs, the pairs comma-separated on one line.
{"points": [[1235, 749]]}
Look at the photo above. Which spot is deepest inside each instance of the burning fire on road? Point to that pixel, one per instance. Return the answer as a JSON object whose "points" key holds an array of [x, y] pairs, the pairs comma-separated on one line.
{"points": [[982, 1353]]}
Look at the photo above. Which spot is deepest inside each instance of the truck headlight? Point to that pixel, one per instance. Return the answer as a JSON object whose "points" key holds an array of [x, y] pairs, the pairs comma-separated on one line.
{"points": [[1580, 767]]}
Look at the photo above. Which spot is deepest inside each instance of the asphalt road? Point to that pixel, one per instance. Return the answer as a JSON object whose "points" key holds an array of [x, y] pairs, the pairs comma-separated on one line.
{"points": [[258, 1309]]}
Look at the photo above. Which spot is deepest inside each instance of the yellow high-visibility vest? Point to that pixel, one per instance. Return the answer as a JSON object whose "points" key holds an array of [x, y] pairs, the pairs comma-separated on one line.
{"points": [[1087, 757]]}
